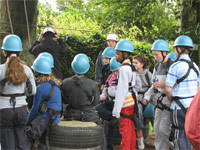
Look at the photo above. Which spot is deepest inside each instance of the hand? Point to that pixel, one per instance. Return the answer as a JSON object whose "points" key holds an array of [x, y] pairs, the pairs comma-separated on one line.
{"points": [[159, 84], [145, 101], [103, 100], [40, 37], [56, 34], [102, 87]]}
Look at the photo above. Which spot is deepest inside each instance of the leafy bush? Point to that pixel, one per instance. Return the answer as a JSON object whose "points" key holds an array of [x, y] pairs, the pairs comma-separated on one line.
{"points": [[91, 47]]}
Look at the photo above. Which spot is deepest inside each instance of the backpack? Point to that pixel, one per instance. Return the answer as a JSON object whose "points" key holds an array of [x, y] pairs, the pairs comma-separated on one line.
{"points": [[192, 122]]}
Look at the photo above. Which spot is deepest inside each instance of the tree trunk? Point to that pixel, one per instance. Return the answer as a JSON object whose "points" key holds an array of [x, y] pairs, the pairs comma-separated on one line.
{"points": [[19, 23]]}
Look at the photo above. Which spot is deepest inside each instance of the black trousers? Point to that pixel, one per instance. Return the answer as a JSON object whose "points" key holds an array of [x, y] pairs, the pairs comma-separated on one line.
{"points": [[12, 128]]}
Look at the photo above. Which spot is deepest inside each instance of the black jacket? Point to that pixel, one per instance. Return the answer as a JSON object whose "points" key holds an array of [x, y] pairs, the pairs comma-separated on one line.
{"points": [[52, 47], [105, 73], [82, 95]]}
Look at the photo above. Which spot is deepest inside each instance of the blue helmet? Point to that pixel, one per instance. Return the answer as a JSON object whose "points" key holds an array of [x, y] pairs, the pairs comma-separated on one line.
{"points": [[109, 52], [149, 110], [183, 40], [172, 56], [160, 45], [114, 65], [42, 65], [125, 46], [80, 64], [12, 43], [48, 56]]}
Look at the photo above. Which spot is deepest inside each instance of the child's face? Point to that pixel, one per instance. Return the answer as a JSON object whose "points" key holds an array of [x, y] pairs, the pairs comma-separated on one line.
{"points": [[158, 56], [115, 73], [138, 65], [106, 60], [119, 57], [111, 43]]}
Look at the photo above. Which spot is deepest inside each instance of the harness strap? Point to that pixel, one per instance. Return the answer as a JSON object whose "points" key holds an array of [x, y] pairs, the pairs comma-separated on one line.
{"points": [[176, 99], [131, 88], [15, 95], [126, 116], [53, 112], [191, 66], [157, 106], [53, 116], [163, 106], [176, 127]]}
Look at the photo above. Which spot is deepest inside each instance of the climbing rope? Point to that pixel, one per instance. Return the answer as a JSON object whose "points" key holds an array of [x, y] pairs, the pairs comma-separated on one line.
{"points": [[8, 9], [29, 38]]}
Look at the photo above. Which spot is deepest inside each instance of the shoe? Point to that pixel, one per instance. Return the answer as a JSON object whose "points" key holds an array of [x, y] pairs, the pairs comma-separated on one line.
{"points": [[140, 143]]}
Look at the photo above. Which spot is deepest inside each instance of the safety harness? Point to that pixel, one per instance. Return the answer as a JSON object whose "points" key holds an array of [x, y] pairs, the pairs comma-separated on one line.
{"points": [[177, 98], [53, 113], [44, 109], [160, 104], [134, 97], [111, 98], [16, 122]]}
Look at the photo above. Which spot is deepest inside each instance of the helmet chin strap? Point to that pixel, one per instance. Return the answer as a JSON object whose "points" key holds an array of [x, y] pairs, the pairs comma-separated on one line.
{"points": [[124, 58], [179, 53], [163, 56]]}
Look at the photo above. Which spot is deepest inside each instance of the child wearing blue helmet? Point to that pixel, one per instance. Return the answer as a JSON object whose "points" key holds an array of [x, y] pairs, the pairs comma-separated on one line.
{"points": [[80, 93], [107, 99], [182, 84], [13, 108], [47, 102], [125, 106], [107, 54], [162, 124]]}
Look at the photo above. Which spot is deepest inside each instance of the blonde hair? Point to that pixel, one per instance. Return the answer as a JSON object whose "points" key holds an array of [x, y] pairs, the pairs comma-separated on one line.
{"points": [[45, 78]]}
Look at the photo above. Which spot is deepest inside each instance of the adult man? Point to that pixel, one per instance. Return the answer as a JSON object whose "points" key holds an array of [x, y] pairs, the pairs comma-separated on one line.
{"points": [[46, 43]]}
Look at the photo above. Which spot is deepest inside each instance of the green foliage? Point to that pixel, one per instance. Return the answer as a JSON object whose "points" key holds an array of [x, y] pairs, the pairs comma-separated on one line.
{"points": [[80, 24], [91, 46], [151, 18], [75, 23]]}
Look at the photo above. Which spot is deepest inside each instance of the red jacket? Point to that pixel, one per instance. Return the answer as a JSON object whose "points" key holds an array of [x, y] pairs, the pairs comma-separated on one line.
{"points": [[192, 122]]}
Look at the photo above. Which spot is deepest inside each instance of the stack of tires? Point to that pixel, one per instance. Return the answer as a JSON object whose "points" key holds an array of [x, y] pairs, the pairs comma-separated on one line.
{"points": [[74, 135]]}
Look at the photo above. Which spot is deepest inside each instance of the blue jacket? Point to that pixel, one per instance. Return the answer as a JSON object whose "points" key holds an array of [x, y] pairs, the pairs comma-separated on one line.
{"points": [[54, 103]]}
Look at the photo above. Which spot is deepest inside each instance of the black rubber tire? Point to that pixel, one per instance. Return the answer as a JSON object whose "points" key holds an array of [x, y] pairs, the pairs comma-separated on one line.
{"points": [[81, 135], [44, 147]]}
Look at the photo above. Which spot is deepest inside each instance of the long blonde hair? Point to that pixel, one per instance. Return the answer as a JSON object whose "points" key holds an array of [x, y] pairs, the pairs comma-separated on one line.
{"points": [[14, 69]]}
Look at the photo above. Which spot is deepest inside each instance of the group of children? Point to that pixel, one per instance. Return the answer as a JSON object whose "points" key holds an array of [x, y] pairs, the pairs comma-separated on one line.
{"points": [[129, 101], [129, 93]]}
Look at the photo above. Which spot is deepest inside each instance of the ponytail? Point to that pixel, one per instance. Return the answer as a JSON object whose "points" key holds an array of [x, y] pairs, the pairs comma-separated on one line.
{"points": [[14, 69]]}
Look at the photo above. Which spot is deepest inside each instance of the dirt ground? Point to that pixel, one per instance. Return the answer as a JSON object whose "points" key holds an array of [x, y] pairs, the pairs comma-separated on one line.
{"points": [[150, 142]]}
